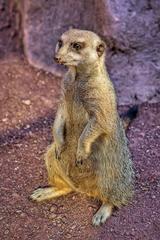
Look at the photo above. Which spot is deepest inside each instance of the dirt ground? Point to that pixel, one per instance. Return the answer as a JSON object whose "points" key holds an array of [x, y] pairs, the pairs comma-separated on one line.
{"points": [[28, 100]]}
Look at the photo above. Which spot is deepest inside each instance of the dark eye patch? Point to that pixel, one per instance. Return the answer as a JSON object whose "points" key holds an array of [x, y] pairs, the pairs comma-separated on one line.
{"points": [[77, 45], [60, 43]]}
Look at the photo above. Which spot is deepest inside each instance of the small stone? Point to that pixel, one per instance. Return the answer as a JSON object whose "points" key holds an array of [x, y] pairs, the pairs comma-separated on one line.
{"points": [[6, 232], [27, 102], [38, 74], [52, 216], [27, 126], [90, 208], [144, 188], [18, 211], [58, 221], [16, 168], [53, 208], [43, 82], [59, 224], [4, 119], [68, 235], [22, 215], [73, 226]]}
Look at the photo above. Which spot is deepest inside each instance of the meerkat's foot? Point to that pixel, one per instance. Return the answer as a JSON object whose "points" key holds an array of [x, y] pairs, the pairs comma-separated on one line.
{"points": [[42, 194], [102, 214]]}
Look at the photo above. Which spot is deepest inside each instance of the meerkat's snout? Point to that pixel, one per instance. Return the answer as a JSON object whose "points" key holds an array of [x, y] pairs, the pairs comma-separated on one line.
{"points": [[58, 60]]}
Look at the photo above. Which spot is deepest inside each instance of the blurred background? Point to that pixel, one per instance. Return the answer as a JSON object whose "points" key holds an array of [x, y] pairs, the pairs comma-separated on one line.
{"points": [[130, 28], [30, 89]]}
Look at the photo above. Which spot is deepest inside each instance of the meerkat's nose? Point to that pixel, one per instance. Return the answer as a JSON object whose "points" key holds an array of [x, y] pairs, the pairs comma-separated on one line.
{"points": [[57, 59]]}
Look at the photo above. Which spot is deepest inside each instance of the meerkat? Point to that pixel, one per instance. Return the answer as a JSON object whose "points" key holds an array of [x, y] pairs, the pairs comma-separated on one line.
{"points": [[89, 153]]}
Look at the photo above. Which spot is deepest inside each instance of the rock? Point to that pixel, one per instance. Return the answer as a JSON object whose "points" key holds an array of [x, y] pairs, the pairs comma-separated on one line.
{"points": [[45, 21], [134, 64], [131, 29], [9, 31]]}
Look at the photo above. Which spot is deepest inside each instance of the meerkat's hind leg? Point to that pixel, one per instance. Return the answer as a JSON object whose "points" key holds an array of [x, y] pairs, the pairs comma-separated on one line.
{"points": [[102, 214], [47, 193]]}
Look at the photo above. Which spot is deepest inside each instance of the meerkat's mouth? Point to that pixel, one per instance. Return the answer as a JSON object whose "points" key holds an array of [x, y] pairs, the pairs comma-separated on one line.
{"points": [[71, 63], [62, 63], [66, 63]]}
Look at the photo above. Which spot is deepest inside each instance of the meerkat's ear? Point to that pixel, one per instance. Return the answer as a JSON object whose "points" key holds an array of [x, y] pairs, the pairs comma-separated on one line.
{"points": [[101, 48]]}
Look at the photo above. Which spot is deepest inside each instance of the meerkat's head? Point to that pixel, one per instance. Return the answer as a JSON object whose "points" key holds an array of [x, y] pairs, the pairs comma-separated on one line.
{"points": [[78, 47]]}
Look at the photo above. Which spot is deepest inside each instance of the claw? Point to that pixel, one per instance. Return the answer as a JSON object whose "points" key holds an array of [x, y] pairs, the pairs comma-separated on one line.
{"points": [[58, 153], [79, 162]]}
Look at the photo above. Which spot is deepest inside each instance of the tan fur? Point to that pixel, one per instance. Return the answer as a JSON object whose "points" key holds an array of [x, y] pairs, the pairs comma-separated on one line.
{"points": [[89, 153]]}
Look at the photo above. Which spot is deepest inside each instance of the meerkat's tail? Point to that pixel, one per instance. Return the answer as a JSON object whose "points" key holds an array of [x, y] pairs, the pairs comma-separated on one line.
{"points": [[127, 117]]}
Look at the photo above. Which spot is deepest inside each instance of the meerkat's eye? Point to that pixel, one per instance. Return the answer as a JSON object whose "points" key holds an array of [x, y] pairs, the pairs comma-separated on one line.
{"points": [[60, 43], [77, 46]]}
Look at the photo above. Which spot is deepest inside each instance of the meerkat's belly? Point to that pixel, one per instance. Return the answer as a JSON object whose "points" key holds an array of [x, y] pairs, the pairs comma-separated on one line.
{"points": [[76, 121]]}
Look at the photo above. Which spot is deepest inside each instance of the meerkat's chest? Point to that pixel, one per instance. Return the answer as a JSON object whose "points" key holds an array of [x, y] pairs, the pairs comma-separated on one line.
{"points": [[74, 103], [72, 95]]}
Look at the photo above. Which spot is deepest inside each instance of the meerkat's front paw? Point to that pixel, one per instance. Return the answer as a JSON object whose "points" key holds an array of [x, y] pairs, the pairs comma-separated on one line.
{"points": [[81, 156], [59, 148]]}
